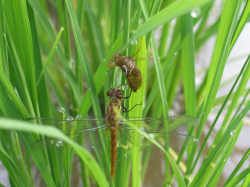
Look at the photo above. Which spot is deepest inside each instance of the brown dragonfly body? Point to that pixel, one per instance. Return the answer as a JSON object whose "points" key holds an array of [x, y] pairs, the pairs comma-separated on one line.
{"points": [[116, 95], [129, 67]]}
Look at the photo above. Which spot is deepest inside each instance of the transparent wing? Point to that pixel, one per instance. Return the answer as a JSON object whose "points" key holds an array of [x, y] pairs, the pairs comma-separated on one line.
{"points": [[168, 131], [88, 139], [81, 130]]}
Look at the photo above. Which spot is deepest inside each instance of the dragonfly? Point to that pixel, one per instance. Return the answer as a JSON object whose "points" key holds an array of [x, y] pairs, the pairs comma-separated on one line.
{"points": [[168, 131]]}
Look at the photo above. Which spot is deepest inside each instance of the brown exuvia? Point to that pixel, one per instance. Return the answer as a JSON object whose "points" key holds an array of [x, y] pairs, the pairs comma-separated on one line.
{"points": [[128, 66]]}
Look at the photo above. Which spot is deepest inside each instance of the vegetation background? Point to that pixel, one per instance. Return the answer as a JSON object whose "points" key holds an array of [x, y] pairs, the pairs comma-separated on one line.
{"points": [[54, 54]]}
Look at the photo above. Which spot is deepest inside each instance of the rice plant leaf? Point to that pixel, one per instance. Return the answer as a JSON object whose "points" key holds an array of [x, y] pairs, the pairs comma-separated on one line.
{"points": [[15, 100], [174, 10], [137, 99], [226, 138], [220, 55], [241, 23], [55, 133], [40, 14], [17, 17], [238, 178], [83, 58], [243, 160], [235, 99], [188, 69], [15, 173], [42, 91]]}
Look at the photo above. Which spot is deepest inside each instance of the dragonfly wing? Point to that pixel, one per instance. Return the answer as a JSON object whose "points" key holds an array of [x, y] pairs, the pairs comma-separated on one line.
{"points": [[165, 140], [49, 143], [76, 129], [162, 124], [83, 138], [168, 131], [66, 125]]}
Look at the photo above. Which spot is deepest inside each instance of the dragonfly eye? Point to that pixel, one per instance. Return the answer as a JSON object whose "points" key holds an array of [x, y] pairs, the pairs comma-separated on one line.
{"points": [[110, 93]]}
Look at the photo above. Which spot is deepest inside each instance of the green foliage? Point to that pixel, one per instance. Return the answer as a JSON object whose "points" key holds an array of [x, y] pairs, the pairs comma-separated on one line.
{"points": [[39, 73]]}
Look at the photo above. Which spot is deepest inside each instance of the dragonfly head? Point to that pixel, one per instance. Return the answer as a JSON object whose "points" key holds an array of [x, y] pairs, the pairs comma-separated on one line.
{"points": [[115, 93]]}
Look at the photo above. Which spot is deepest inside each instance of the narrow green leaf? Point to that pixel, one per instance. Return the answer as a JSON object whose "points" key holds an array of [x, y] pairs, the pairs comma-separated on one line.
{"points": [[50, 55], [55, 133]]}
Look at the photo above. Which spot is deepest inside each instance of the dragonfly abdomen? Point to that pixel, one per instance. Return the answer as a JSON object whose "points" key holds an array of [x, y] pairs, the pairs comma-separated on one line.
{"points": [[113, 133]]}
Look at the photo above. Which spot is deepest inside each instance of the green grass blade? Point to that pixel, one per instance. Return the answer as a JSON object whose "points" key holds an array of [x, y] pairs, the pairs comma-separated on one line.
{"points": [[226, 137], [55, 133], [243, 160], [238, 178], [242, 22], [220, 55], [40, 14], [63, 20], [238, 93], [17, 17], [135, 99], [218, 114], [15, 173], [174, 10], [83, 58], [188, 70], [50, 55]]}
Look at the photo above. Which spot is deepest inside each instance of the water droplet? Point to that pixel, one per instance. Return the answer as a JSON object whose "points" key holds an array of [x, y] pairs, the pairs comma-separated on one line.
{"points": [[18, 157], [62, 110], [59, 143], [125, 155], [141, 20], [240, 114], [104, 60], [112, 47], [142, 137], [159, 57], [73, 123], [195, 12], [89, 89], [35, 11], [55, 48], [134, 42], [151, 136], [51, 141], [224, 160], [107, 73], [70, 118], [131, 20], [73, 64], [62, 29], [168, 185], [78, 116], [93, 147], [196, 139], [232, 133], [175, 53]]}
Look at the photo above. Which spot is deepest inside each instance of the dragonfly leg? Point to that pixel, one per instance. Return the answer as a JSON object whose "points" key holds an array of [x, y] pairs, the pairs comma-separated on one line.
{"points": [[145, 57], [110, 79], [137, 50], [125, 110], [129, 95]]}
